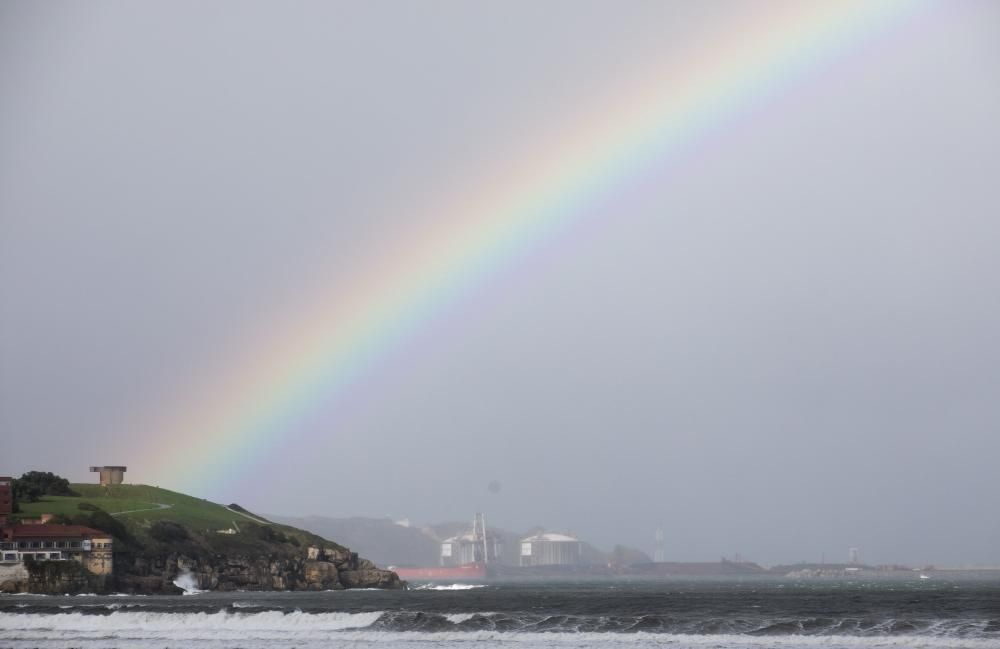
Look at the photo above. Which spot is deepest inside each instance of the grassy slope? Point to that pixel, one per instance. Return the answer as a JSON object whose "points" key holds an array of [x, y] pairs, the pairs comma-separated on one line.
{"points": [[191, 512], [194, 513]]}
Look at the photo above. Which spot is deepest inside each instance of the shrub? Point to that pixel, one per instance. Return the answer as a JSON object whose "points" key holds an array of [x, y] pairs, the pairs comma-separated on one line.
{"points": [[105, 522], [266, 533], [169, 532]]}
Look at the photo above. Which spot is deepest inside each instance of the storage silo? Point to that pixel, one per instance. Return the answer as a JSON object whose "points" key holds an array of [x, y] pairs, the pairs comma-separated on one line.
{"points": [[550, 549], [478, 546]]}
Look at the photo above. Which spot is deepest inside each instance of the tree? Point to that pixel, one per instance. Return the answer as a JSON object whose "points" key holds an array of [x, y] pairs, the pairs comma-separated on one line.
{"points": [[34, 484]]}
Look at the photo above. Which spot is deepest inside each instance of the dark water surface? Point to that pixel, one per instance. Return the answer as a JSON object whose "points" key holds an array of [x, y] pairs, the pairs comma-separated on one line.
{"points": [[750, 612]]}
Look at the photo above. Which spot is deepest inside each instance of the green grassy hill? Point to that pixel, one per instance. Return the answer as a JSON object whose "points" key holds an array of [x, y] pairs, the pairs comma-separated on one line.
{"points": [[141, 503], [139, 512], [160, 534]]}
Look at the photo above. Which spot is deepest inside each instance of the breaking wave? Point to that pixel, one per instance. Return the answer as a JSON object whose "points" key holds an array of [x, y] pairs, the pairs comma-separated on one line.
{"points": [[297, 626]]}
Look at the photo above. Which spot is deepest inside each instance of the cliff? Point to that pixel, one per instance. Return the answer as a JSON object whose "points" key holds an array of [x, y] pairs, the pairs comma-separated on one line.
{"points": [[332, 569]]}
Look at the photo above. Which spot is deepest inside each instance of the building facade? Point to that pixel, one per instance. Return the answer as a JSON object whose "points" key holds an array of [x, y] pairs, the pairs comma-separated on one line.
{"points": [[36, 539], [47, 542], [6, 499]]}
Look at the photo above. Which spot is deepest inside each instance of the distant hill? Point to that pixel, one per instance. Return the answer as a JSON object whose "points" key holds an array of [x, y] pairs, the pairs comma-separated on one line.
{"points": [[379, 539]]}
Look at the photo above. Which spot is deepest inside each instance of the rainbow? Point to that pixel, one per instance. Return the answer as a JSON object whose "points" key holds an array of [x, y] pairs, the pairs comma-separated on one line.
{"points": [[229, 425]]}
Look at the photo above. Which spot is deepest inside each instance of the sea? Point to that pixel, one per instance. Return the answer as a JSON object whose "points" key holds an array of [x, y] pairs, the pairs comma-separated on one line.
{"points": [[748, 613]]}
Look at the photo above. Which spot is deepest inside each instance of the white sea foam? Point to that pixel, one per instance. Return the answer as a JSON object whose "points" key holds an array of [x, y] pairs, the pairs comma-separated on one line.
{"points": [[458, 618], [181, 627], [449, 586], [188, 582], [313, 631], [128, 629]]}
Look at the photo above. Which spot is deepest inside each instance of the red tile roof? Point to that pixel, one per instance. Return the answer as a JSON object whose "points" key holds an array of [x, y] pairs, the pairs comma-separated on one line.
{"points": [[52, 531]]}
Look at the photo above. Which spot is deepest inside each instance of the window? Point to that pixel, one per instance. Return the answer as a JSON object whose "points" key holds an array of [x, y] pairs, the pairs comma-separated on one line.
{"points": [[36, 544], [46, 544], [55, 555], [10, 556], [76, 544], [22, 544]]}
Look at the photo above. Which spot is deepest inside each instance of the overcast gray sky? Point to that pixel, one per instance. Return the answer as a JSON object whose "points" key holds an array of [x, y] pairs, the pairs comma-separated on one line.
{"points": [[781, 342]]}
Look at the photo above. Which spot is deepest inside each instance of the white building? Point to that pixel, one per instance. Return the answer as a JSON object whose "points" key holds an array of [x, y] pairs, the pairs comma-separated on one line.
{"points": [[550, 549], [466, 548]]}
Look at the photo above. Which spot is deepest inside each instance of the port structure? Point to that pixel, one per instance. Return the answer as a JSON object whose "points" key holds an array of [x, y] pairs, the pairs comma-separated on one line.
{"points": [[658, 552]]}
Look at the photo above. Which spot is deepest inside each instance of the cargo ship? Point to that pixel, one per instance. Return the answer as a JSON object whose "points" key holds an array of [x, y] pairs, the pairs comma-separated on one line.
{"points": [[466, 557], [464, 573]]}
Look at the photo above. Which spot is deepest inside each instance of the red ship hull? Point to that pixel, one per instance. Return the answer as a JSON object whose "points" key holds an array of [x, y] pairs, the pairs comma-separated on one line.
{"points": [[468, 572]]}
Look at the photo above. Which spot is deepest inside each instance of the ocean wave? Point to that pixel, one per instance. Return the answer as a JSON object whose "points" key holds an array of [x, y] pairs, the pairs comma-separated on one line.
{"points": [[232, 624], [448, 586], [458, 618], [180, 626]]}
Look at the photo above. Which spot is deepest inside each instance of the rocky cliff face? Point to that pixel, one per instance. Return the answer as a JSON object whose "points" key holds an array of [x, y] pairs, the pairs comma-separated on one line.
{"points": [[318, 569], [51, 578]]}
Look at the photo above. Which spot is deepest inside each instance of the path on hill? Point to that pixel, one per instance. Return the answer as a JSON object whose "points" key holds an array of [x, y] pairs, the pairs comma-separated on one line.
{"points": [[158, 507], [246, 515]]}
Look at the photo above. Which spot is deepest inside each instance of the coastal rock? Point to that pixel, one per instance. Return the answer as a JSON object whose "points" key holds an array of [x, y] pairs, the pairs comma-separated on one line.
{"points": [[231, 573], [321, 575], [337, 556], [54, 578], [371, 578], [175, 573], [13, 578]]}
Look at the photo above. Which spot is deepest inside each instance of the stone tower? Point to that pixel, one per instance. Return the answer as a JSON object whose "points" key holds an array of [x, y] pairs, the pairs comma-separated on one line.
{"points": [[110, 475]]}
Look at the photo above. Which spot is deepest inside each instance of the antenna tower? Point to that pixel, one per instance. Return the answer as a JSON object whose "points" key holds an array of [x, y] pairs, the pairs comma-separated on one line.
{"points": [[479, 537]]}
